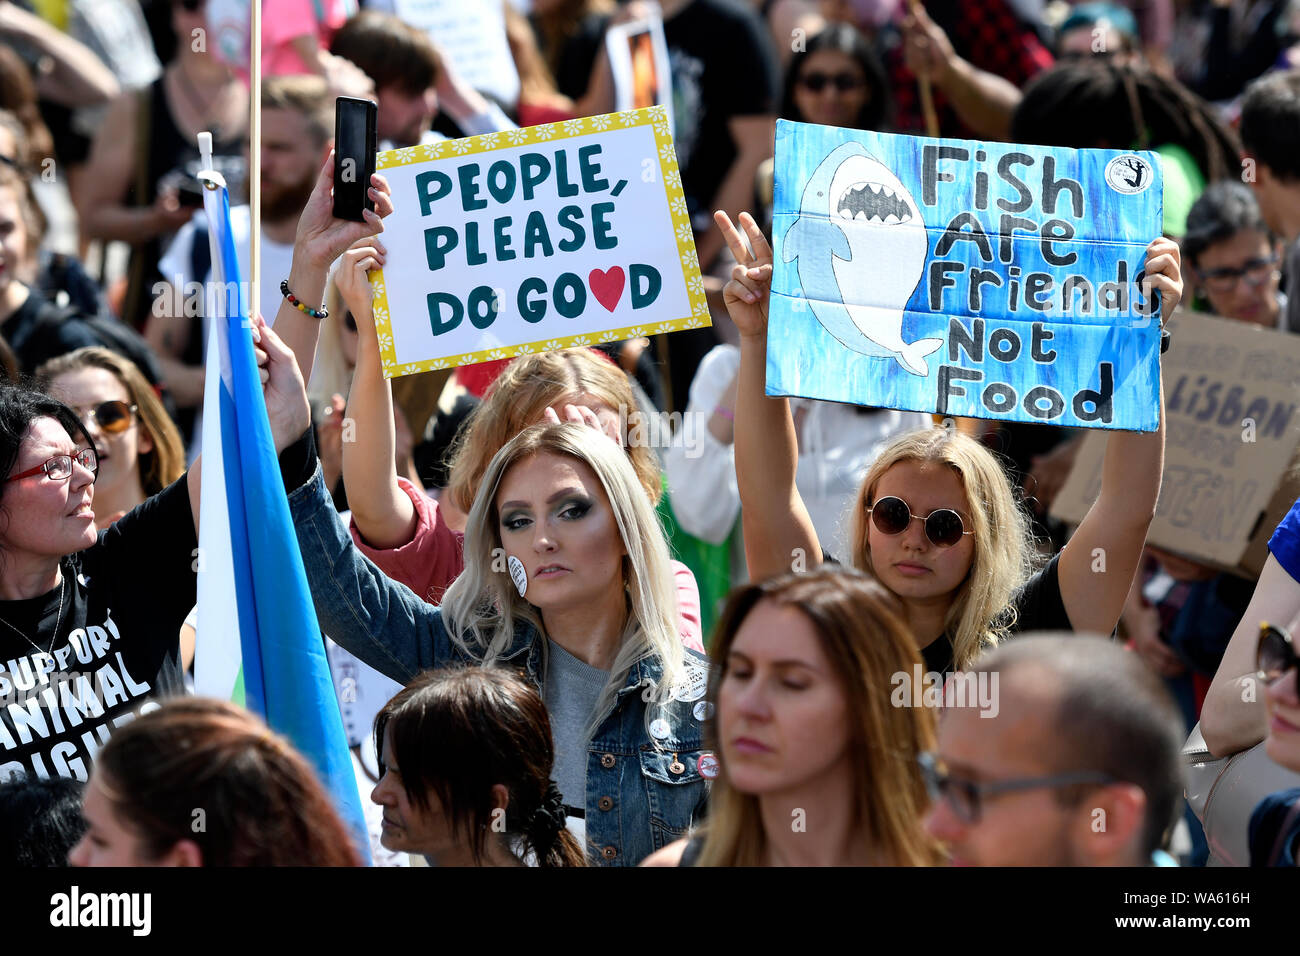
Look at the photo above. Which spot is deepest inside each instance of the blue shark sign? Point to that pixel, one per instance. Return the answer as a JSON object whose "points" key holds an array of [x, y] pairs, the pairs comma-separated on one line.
{"points": [[982, 280]]}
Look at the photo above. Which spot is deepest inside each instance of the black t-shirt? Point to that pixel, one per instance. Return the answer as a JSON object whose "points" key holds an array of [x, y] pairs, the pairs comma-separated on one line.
{"points": [[722, 67], [117, 644], [577, 55], [1039, 607]]}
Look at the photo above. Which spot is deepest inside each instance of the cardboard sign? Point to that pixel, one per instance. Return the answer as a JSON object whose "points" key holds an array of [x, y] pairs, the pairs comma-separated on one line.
{"points": [[534, 239], [473, 37], [638, 58], [981, 280], [1232, 393]]}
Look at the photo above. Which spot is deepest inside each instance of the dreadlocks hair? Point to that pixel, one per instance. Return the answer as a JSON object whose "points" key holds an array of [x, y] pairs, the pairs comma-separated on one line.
{"points": [[1096, 102]]}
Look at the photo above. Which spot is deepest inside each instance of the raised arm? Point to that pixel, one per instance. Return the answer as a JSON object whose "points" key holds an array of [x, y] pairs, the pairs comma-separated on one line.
{"points": [[104, 210], [358, 606], [1098, 564], [384, 514], [320, 240], [982, 100], [775, 522], [76, 76]]}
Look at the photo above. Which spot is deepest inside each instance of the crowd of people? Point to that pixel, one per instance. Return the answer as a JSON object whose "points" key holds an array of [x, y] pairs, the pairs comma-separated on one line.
{"points": [[563, 645]]}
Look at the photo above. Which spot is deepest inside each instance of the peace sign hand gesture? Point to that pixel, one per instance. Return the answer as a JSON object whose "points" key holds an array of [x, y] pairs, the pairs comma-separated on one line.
{"points": [[746, 295]]}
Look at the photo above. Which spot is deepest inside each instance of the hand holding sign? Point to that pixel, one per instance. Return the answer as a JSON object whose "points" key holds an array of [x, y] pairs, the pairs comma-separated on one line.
{"points": [[1164, 274], [747, 294], [353, 280]]}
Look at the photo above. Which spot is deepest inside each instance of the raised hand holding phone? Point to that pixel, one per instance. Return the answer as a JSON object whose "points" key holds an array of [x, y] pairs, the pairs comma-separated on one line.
{"points": [[354, 156]]}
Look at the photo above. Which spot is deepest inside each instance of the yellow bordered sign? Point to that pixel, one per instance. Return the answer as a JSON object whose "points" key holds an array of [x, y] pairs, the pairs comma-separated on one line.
{"points": [[403, 165]]}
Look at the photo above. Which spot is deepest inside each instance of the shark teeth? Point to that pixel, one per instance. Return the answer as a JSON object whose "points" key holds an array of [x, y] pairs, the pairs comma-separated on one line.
{"points": [[868, 201]]}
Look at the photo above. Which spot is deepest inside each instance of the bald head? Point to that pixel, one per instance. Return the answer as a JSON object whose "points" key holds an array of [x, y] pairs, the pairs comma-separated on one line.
{"points": [[1096, 707]]}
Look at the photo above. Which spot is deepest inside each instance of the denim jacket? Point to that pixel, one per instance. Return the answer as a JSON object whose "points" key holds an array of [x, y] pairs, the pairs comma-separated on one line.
{"points": [[640, 796]]}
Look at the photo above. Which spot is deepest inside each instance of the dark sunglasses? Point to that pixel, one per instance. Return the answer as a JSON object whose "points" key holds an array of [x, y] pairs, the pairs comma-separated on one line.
{"points": [[843, 82], [349, 321], [966, 797], [1276, 654], [892, 515], [113, 418]]}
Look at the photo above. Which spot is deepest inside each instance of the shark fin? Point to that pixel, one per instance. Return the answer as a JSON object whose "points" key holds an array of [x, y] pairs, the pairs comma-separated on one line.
{"points": [[811, 237], [912, 357]]}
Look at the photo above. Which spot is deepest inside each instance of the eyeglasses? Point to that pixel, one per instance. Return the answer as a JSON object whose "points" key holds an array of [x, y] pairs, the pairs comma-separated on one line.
{"points": [[966, 797], [892, 515], [843, 82], [1276, 654], [113, 418], [1256, 272], [59, 468]]}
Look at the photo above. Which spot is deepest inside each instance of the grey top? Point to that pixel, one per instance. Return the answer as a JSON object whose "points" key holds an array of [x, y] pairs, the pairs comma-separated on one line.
{"points": [[572, 688]]}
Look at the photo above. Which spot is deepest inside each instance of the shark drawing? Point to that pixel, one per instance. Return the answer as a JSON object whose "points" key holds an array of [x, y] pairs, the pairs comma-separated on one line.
{"points": [[860, 246]]}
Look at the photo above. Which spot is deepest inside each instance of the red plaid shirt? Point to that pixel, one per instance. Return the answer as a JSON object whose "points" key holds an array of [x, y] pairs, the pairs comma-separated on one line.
{"points": [[988, 34]]}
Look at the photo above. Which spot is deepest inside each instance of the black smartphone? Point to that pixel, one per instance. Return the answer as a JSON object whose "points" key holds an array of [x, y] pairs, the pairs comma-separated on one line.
{"points": [[354, 155], [189, 193]]}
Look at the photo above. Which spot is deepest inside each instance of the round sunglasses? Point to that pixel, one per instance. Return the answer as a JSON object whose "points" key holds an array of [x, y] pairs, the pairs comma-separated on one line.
{"points": [[892, 515], [1276, 653], [112, 418]]}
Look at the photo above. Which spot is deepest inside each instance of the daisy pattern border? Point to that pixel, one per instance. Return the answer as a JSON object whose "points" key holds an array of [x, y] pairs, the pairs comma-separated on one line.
{"points": [[669, 177]]}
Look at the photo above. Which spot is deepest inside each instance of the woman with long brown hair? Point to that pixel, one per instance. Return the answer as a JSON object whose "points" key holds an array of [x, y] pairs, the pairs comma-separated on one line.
{"points": [[815, 763], [465, 761], [260, 802], [139, 448]]}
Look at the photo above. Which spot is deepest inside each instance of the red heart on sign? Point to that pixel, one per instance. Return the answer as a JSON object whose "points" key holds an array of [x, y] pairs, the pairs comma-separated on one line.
{"points": [[607, 286]]}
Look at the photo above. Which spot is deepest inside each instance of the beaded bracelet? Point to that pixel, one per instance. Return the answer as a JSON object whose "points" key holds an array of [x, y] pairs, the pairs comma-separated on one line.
{"points": [[321, 313]]}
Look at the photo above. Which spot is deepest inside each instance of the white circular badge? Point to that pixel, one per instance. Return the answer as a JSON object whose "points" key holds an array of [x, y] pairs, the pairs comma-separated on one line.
{"points": [[659, 729], [703, 710], [693, 685], [1129, 174], [518, 574]]}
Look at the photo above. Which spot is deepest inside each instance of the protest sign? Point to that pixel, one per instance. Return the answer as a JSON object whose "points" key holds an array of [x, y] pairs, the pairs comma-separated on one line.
{"points": [[1232, 434], [638, 58], [560, 235], [473, 37], [971, 279]]}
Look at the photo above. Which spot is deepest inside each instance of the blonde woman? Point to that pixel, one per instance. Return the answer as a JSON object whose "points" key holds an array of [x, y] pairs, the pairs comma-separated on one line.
{"points": [[139, 449], [567, 576], [937, 521], [806, 730], [397, 525]]}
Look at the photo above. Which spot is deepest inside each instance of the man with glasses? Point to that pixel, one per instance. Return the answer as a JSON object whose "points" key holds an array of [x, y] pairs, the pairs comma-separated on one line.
{"points": [[1080, 767], [1231, 257]]}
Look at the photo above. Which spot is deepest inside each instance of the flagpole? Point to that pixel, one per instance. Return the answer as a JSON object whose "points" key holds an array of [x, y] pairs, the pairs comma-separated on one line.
{"points": [[255, 164]]}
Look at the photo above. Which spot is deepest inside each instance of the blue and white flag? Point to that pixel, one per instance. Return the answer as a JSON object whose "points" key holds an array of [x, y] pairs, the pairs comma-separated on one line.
{"points": [[259, 643]]}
